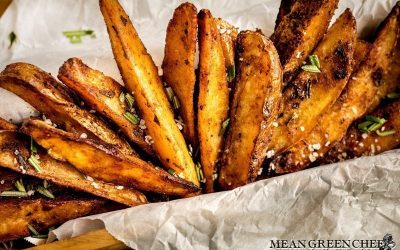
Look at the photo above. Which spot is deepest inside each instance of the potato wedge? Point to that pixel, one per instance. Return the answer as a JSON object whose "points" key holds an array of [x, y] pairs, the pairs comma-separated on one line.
{"points": [[140, 76], [6, 125], [213, 103], [357, 143], [41, 212], [228, 34], [102, 93], [60, 173], [310, 94], [179, 64], [358, 97], [300, 25], [255, 106], [44, 93], [105, 162]]}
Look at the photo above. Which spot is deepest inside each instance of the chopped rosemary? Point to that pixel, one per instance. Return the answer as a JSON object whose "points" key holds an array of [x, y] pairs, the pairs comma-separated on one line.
{"points": [[371, 124], [311, 68], [12, 37], [375, 119], [315, 65], [129, 100], [33, 230], [132, 118], [231, 73], [170, 93], [20, 186], [33, 146], [35, 163], [75, 36], [45, 192], [13, 194], [386, 133], [171, 171], [393, 95], [199, 172], [176, 102], [224, 126]]}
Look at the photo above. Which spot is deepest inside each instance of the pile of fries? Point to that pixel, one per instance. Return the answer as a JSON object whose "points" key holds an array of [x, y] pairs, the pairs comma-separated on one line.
{"points": [[253, 107]]}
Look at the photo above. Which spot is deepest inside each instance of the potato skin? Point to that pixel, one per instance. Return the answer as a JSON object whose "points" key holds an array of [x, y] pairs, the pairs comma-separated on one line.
{"points": [[41, 212], [6, 125], [300, 26], [105, 162], [255, 106], [179, 64], [101, 93], [60, 173], [228, 34], [140, 76], [49, 97], [361, 94], [310, 94], [213, 102]]}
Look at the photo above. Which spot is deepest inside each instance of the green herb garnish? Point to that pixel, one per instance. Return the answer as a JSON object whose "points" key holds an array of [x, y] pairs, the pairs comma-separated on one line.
{"points": [[13, 194], [45, 192], [13, 38], [35, 163], [315, 65], [231, 73], [224, 126], [375, 119], [385, 133], [171, 171], [199, 172], [170, 93], [176, 102], [20, 186], [33, 230], [393, 95], [33, 146], [132, 118], [75, 36], [129, 100]]}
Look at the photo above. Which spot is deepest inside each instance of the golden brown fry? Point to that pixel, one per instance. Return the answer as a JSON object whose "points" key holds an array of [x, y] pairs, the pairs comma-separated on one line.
{"points": [[6, 125], [360, 95], [60, 173], [140, 76], [102, 93], [300, 25], [310, 94], [213, 103], [357, 143], [254, 108], [44, 93], [178, 65], [228, 35], [104, 162]]}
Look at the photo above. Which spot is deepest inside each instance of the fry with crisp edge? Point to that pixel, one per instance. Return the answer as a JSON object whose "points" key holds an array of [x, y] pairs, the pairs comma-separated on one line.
{"points": [[179, 64], [104, 162], [255, 106], [140, 76], [213, 103]]}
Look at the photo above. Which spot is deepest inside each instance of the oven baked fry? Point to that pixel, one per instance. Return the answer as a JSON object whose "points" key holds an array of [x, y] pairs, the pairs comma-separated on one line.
{"points": [[255, 106], [140, 76]]}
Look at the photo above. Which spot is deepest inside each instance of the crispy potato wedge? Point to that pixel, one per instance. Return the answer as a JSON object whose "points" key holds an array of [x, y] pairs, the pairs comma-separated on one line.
{"points": [[300, 25], [310, 94], [255, 106], [44, 93], [228, 34], [60, 173], [6, 125], [358, 97], [105, 162], [140, 76], [357, 143], [213, 103], [179, 64], [102, 93], [42, 212]]}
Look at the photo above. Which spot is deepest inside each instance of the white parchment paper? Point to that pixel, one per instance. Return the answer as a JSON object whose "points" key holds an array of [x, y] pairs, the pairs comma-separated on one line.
{"points": [[358, 199]]}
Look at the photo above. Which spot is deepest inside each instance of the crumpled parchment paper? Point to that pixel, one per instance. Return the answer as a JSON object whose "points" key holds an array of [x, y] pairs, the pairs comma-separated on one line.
{"points": [[357, 199]]}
